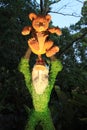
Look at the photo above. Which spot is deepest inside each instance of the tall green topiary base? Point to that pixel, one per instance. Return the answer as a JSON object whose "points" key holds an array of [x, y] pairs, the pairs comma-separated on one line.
{"points": [[41, 113], [42, 118]]}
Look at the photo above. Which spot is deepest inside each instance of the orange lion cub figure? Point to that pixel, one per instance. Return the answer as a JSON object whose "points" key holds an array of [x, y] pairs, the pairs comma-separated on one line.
{"points": [[40, 30]]}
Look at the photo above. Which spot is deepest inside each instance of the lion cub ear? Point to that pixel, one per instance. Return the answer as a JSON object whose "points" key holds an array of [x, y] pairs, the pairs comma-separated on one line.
{"points": [[48, 17], [32, 16]]}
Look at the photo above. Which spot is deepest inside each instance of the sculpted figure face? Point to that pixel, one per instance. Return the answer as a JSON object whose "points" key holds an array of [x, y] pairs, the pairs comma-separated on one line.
{"points": [[40, 78], [40, 23]]}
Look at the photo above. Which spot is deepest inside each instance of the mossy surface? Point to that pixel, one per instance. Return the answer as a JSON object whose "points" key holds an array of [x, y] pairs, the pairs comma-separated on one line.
{"points": [[41, 112]]}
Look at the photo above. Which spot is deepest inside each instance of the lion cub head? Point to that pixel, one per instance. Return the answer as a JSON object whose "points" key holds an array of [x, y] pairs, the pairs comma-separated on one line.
{"points": [[40, 23]]}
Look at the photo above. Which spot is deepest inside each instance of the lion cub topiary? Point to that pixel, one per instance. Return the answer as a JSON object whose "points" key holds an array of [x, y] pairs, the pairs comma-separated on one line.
{"points": [[39, 43]]}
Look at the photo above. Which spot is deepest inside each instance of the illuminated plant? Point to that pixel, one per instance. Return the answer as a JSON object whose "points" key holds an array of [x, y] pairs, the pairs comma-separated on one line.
{"points": [[40, 30], [41, 80]]}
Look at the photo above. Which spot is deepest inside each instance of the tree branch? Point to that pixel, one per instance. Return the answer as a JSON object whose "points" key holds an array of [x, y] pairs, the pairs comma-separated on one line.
{"points": [[65, 14], [41, 5], [53, 2], [64, 7], [45, 5], [75, 40], [80, 1]]}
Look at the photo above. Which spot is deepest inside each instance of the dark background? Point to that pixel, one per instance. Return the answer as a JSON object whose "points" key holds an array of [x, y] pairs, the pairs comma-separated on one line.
{"points": [[68, 103]]}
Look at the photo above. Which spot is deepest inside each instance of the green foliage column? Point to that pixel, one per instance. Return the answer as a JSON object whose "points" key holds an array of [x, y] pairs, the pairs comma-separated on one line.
{"points": [[42, 118], [41, 113]]}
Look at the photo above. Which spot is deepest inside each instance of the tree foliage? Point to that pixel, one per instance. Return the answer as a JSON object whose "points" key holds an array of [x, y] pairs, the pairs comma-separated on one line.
{"points": [[69, 101]]}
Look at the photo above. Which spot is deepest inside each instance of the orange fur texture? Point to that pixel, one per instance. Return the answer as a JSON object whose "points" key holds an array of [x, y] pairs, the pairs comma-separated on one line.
{"points": [[40, 28]]}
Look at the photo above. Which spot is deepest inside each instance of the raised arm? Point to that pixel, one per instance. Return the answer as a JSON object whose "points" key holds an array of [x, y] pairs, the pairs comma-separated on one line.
{"points": [[24, 69], [56, 67], [55, 30], [26, 30]]}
